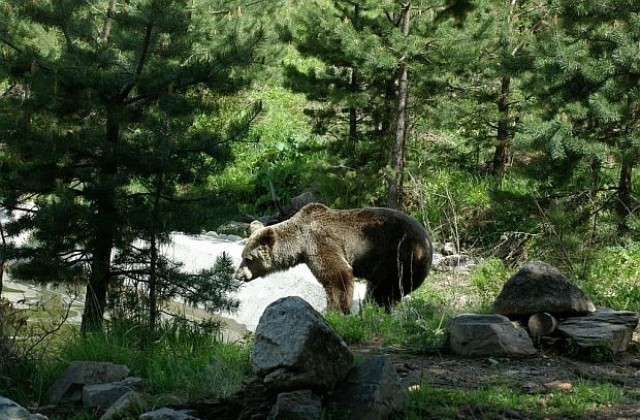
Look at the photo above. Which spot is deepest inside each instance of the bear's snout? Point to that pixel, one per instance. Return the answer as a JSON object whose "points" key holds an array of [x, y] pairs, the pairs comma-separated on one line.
{"points": [[243, 274]]}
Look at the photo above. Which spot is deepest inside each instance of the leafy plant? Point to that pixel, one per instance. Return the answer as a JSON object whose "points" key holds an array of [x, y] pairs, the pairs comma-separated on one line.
{"points": [[488, 278]]}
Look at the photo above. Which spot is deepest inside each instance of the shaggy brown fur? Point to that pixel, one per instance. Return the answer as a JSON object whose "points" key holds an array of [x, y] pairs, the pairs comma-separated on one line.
{"points": [[386, 247]]}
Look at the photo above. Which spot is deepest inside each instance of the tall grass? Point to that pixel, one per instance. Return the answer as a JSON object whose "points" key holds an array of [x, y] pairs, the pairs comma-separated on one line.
{"points": [[416, 325], [179, 364]]}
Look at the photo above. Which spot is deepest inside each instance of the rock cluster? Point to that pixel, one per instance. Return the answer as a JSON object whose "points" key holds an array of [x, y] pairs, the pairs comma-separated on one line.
{"points": [[298, 356], [539, 304], [302, 370]]}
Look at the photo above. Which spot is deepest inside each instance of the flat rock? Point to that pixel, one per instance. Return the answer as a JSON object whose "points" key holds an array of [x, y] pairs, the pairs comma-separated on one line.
{"points": [[589, 337], [488, 335], [627, 318], [105, 395], [167, 414]]}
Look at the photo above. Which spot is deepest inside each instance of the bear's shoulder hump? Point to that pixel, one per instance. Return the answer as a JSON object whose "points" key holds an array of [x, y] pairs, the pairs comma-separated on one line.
{"points": [[313, 208]]}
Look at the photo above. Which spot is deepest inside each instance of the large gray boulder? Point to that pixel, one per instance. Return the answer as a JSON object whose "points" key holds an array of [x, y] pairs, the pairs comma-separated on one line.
{"points": [[488, 335], [540, 287], [295, 348], [80, 373]]}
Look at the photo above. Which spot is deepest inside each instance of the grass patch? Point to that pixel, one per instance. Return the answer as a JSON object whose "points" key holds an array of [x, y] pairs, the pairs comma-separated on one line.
{"points": [[180, 364], [415, 325], [426, 402]]}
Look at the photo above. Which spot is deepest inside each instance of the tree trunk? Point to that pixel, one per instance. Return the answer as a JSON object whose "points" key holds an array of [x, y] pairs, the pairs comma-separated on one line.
{"points": [[96, 298], [353, 112], [394, 198], [353, 87], [106, 27], [502, 153], [153, 263], [103, 238], [624, 206], [2, 256]]}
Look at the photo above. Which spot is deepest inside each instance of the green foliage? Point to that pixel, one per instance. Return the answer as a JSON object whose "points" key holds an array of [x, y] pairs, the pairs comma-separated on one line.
{"points": [[208, 289], [488, 278], [182, 361], [456, 202], [613, 278]]}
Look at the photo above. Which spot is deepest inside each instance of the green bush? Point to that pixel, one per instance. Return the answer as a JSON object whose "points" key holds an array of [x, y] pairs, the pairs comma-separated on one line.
{"points": [[488, 278]]}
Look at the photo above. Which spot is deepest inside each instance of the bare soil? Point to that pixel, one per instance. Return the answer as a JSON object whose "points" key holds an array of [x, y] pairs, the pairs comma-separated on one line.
{"points": [[538, 375]]}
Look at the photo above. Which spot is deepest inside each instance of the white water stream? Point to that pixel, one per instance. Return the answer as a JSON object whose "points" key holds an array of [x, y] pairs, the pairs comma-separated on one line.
{"points": [[196, 253]]}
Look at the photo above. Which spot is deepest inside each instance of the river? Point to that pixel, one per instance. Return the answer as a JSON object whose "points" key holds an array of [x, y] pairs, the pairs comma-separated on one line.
{"points": [[198, 252]]}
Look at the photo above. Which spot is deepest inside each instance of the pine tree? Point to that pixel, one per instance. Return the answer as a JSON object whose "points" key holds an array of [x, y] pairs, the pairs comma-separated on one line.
{"points": [[483, 61], [587, 83], [110, 136], [367, 52]]}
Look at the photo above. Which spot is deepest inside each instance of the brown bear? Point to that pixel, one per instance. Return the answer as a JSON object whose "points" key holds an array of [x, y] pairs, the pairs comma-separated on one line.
{"points": [[386, 247]]}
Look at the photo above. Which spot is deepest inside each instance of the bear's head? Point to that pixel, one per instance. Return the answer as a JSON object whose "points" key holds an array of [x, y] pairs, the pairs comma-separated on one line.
{"points": [[257, 256]]}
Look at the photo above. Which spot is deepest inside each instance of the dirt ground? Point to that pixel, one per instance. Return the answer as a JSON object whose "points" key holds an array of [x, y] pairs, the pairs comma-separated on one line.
{"points": [[536, 375], [540, 375]]}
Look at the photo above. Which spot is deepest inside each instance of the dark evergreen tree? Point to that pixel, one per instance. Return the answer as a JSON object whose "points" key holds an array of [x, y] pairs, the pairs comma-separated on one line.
{"points": [[367, 50], [483, 62], [110, 138], [587, 86]]}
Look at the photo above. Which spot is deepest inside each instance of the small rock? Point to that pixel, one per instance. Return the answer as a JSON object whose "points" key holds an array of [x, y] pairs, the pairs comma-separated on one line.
{"points": [[559, 386], [166, 414], [449, 248], [532, 388], [542, 323], [131, 401], [372, 391]]}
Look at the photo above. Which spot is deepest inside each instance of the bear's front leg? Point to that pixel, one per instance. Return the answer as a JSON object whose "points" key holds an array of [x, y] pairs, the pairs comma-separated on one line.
{"points": [[336, 278], [339, 288]]}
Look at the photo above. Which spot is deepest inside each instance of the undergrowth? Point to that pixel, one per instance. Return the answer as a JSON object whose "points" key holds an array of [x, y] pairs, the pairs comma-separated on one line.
{"points": [[499, 402]]}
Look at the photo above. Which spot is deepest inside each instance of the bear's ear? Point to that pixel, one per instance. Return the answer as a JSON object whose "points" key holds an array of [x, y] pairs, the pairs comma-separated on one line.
{"points": [[255, 225], [268, 237]]}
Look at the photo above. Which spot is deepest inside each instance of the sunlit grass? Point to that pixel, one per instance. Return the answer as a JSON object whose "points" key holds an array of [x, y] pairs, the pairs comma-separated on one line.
{"points": [[502, 401]]}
